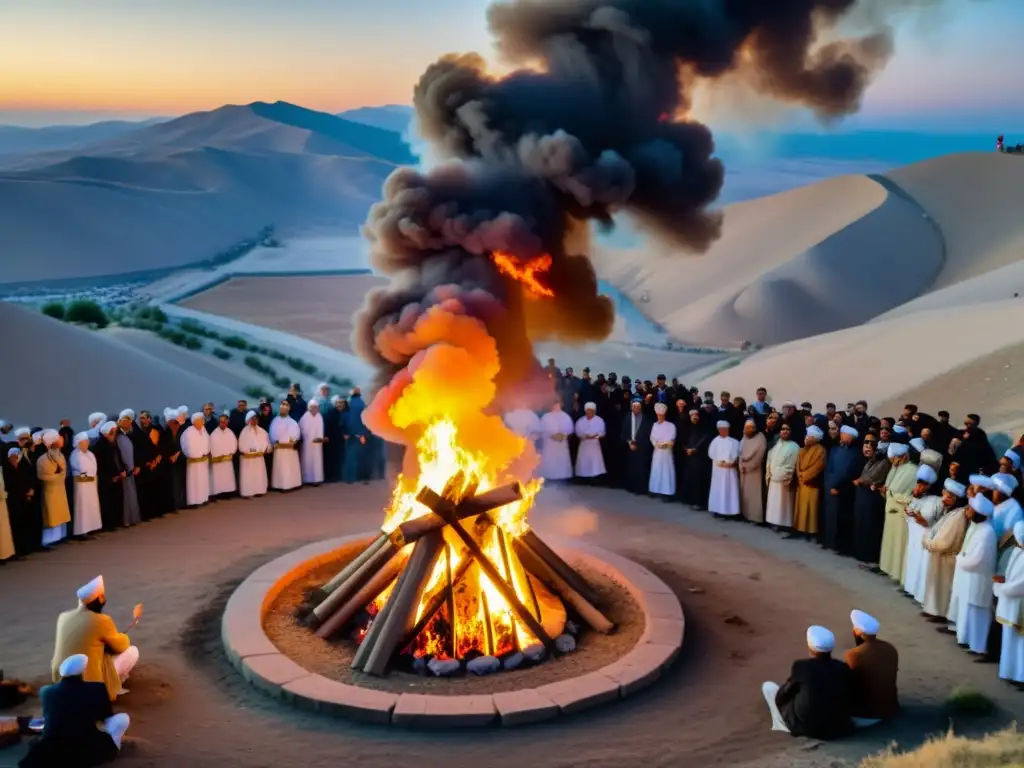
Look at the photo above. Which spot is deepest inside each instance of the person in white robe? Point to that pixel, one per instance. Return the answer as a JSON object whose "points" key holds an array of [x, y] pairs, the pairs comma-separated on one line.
{"points": [[311, 428], [96, 420], [1006, 513], [223, 447], [921, 513], [195, 445], [940, 547], [253, 445], [724, 452], [779, 471], [663, 466], [82, 467], [323, 396], [1009, 592], [284, 436], [970, 605], [590, 430], [524, 423], [555, 428]]}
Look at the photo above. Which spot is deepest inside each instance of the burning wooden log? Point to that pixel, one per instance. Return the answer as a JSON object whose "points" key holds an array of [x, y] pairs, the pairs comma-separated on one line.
{"points": [[562, 568], [343, 593], [540, 568], [362, 598], [355, 564], [444, 596]]}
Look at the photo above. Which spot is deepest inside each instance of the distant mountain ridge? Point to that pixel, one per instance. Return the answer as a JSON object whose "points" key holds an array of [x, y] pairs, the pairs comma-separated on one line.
{"points": [[392, 117], [16, 139]]}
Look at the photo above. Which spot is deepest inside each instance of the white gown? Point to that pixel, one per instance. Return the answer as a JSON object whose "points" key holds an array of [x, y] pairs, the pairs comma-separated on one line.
{"points": [[1010, 613], [779, 475], [195, 446], [524, 423], [555, 461], [589, 459], [223, 447], [663, 467], [971, 602], [285, 436], [931, 509], [312, 459], [724, 498], [253, 444], [87, 493]]}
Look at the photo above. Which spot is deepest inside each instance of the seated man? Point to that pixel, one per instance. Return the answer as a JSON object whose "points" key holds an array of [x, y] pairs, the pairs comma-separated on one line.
{"points": [[80, 727], [874, 665], [87, 631], [815, 701]]}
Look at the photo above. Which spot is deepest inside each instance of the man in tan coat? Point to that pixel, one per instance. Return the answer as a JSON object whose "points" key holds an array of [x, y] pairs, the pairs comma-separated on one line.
{"points": [[810, 471], [941, 546], [875, 665], [52, 471], [87, 631]]}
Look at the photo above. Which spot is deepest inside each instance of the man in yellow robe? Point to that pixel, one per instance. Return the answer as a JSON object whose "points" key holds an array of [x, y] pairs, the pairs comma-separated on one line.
{"points": [[898, 490], [88, 631], [810, 471]]}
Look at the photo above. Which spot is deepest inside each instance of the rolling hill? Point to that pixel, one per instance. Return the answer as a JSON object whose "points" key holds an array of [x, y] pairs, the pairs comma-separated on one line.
{"points": [[16, 139]]}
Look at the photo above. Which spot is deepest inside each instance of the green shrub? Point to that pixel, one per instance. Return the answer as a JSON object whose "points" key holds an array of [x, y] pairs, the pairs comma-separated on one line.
{"points": [[235, 342], [192, 326], [86, 312], [275, 354], [301, 365], [193, 342], [340, 381], [968, 702], [153, 314], [223, 354], [282, 382], [54, 309], [145, 325]]}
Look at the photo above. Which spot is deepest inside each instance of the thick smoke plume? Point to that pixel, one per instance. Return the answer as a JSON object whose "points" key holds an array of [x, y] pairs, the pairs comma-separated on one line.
{"points": [[593, 123]]}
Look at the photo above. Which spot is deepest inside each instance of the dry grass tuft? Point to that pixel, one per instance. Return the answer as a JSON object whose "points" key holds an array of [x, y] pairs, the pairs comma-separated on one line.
{"points": [[1004, 749]]}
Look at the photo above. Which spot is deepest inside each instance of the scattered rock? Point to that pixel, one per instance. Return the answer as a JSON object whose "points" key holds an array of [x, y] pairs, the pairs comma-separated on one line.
{"points": [[444, 667], [565, 643], [421, 665], [754, 577], [514, 661], [483, 665], [695, 591], [572, 628], [736, 621], [535, 652]]}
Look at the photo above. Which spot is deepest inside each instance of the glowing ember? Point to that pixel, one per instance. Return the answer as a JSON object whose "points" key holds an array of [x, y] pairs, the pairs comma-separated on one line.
{"points": [[525, 273]]}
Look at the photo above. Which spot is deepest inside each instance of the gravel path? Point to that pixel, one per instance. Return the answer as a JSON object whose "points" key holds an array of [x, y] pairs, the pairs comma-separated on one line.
{"points": [[748, 597]]}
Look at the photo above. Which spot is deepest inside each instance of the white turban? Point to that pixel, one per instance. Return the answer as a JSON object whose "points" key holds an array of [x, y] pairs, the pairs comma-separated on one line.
{"points": [[984, 481], [814, 432], [127, 413], [660, 408], [926, 474], [820, 640], [723, 425], [336, 399], [1005, 484], [918, 444], [22, 432], [981, 505], [1018, 531], [50, 437], [92, 590], [788, 404], [323, 385], [589, 407], [198, 416], [73, 666], [81, 437], [170, 414], [1014, 458], [13, 452], [183, 410], [107, 428], [848, 430], [3, 423], [899, 430], [37, 437], [250, 416], [314, 404], [957, 489], [864, 623], [95, 419], [896, 450]]}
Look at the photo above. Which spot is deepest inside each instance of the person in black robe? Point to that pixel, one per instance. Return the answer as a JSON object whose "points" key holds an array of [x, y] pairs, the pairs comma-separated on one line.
{"points": [[22, 503], [845, 463], [869, 504], [334, 444], [681, 418], [173, 462], [68, 436], [110, 472], [635, 440], [612, 450], [696, 481], [266, 416], [795, 420], [236, 421], [145, 439], [976, 453], [575, 411], [297, 401]]}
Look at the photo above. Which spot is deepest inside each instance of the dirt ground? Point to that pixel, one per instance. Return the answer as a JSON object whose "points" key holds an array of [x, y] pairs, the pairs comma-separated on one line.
{"points": [[748, 597]]}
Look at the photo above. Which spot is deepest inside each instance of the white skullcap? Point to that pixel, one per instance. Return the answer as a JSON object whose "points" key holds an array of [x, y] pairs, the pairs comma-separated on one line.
{"points": [[589, 407], [926, 474], [983, 481], [13, 452], [4, 423], [896, 450], [660, 408], [1004, 483], [73, 666], [820, 640], [723, 425], [198, 416], [314, 404], [50, 437], [981, 505], [1018, 531], [899, 430], [170, 413], [127, 413], [22, 432], [81, 437], [37, 437], [335, 399], [864, 622], [918, 444], [250, 415], [848, 430], [323, 385], [788, 404], [108, 427], [182, 410], [1014, 458], [92, 590], [97, 418], [814, 432], [957, 489]]}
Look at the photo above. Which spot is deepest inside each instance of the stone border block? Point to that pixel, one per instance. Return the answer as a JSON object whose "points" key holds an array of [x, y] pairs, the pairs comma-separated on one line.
{"points": [[259, 661]]}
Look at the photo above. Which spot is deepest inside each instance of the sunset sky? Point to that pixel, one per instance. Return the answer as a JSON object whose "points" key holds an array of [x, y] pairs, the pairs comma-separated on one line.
{"points": [[77, 61]]}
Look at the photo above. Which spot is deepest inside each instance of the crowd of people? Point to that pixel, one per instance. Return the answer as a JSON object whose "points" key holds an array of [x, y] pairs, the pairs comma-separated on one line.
{"points": [[58, 483]]}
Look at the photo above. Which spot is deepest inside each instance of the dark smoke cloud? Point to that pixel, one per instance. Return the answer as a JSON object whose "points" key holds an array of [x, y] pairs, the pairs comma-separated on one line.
{"points": [[592, 124]]}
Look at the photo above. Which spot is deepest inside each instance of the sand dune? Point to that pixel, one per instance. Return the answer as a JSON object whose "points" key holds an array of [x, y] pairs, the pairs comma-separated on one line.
{"points": [[180, 192], [60, 371], [787, 266]]}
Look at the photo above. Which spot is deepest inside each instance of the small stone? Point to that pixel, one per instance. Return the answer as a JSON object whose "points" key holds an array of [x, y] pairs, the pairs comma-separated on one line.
{"points": [[565, 643], [572, 628], [514, 661], [444, 667], [695, 591], [483, 665], [421, 665], [535, 652]]}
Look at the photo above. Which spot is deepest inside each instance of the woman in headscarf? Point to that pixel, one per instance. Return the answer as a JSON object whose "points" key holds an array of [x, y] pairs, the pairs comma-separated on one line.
{"points": [[869, 505]]}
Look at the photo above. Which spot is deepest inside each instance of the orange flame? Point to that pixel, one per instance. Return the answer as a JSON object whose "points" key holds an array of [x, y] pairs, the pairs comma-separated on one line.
{"points": [[525, 273]]}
